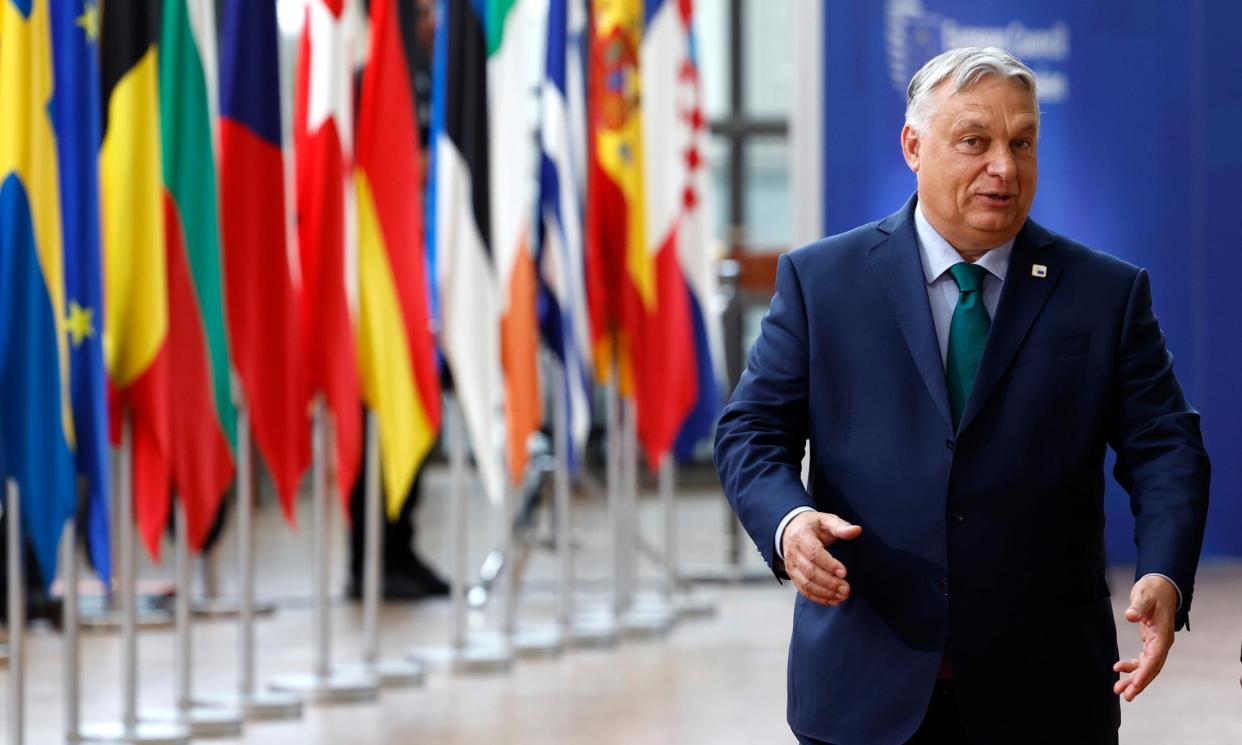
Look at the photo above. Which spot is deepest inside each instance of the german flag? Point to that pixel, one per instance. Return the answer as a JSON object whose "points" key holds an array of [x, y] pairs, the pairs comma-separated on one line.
{"points": [[135, 273], [399, 374]]}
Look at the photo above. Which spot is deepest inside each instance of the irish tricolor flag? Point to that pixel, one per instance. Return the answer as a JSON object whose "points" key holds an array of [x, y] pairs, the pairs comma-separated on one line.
{"points": [[515, 44]]}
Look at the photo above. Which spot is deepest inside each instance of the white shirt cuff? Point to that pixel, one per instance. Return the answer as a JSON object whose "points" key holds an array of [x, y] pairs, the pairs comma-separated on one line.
{"points": [[1149, 574], [780, 529]]}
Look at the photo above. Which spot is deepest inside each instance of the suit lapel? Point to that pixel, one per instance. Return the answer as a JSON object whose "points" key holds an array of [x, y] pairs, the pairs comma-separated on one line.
{"points": [[1022, 297], [900, 272]]}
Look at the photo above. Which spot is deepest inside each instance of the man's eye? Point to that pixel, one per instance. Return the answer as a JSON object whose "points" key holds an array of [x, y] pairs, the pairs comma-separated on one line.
{"points": [[1022, 144], [972, 142]]}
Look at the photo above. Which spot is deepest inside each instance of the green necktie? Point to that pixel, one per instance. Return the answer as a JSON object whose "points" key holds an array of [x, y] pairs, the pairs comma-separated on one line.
{"points": [[968, 334]]}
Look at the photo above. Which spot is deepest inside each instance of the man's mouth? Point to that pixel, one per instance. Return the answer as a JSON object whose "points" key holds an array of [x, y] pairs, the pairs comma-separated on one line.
{"points": [[996, 198]]}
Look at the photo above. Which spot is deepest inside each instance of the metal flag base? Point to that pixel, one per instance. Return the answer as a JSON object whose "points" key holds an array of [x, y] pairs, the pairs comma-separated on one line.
{"points": [[649, 617], [202, 720], [227, 607], [270, 706], [593, 628], [390, 673], [480, 655], [146, 733], [94, 614], [692, 604], [537, 642], [337, 687]]}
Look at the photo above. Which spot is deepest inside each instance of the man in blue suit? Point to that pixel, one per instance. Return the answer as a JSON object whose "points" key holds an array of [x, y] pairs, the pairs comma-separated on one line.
{"points": [[959, 372]]}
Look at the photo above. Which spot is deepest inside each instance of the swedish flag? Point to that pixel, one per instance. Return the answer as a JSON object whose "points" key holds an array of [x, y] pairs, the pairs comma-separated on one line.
{"points": [[36, 424]]}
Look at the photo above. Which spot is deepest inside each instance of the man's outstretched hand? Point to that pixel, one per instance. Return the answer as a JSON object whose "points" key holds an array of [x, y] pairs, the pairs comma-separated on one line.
{"points": [[814, 571], [1153, 606]]}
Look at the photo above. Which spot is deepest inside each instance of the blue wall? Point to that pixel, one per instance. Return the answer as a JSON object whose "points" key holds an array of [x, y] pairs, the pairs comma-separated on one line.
{"points": [[1139, 157]]}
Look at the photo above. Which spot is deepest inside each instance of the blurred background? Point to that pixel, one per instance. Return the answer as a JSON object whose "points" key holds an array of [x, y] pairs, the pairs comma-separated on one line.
{"points": [[442, 224]]}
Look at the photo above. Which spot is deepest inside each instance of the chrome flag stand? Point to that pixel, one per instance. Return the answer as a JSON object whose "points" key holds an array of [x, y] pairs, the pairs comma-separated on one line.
{"points": [[324, 684], [129, 729], [17, 616], [389, 673], [255, 704], [465, 653], [202, 720]]}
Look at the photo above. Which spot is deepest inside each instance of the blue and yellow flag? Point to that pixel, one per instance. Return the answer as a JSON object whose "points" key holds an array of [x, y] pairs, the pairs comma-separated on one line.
{"points": [[36, 424], [76, 116]]}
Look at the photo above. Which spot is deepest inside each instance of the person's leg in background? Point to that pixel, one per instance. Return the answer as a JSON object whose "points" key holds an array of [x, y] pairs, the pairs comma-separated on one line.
{"points": [[404, 576]]}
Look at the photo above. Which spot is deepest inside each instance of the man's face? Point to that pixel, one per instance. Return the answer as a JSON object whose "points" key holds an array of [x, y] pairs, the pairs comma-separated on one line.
{"points": [[975, 162]]}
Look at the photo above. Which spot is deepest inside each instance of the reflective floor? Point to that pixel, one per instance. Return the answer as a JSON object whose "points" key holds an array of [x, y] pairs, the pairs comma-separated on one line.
{"points": [[713, 680]]}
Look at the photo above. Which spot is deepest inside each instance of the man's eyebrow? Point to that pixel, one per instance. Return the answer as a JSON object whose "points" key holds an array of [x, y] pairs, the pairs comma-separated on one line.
{"points": [[968, 123]]}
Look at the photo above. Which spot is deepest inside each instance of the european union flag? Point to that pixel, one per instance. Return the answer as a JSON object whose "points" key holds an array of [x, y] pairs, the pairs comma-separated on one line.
{"points": [[76, 118], [36, 426]]}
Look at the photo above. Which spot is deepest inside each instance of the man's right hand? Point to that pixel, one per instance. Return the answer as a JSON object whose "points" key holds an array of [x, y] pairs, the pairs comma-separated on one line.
{"points": [[814, 571]]}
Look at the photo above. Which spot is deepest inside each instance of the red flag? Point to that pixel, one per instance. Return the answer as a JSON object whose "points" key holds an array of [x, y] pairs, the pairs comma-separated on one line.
{"points": [[264, 326], [323, 139]]}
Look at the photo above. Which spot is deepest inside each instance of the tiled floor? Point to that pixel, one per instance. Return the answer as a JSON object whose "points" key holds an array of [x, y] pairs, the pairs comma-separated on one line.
{"points": [[717, 680]]}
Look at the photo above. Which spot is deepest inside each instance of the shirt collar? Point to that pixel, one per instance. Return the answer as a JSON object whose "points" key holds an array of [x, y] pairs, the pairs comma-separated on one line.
{"points": [[938, 255]]}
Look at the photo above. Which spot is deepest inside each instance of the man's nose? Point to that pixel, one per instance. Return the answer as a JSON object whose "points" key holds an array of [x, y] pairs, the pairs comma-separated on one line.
{"points": [[1001, 162]]}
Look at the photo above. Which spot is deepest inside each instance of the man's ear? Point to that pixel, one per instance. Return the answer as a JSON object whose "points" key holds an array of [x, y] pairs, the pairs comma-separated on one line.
{"points": [[910, 147]]}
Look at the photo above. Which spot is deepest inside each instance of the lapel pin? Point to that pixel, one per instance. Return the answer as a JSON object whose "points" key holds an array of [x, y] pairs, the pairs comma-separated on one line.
{"points": [[1039, 270]]}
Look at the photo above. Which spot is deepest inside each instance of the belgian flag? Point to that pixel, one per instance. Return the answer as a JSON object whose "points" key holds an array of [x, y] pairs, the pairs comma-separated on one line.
{"points": [[135, 266]]}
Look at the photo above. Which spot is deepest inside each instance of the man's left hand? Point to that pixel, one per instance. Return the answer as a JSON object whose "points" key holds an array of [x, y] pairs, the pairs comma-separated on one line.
{"points": [[1153, 606]]}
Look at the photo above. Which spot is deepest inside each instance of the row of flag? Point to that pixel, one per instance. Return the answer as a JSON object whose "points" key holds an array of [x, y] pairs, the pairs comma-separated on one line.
{"points": [[151, 281]]}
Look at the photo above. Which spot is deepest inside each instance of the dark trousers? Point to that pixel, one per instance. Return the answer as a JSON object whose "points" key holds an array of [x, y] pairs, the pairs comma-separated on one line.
{"points": [[398, 534], [942, 725]]}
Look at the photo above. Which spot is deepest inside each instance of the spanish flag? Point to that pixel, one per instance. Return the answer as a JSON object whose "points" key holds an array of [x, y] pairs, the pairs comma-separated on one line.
{"points": [[614, 210], [398, 364], [36, 424], [201, 409], [135, 267]]}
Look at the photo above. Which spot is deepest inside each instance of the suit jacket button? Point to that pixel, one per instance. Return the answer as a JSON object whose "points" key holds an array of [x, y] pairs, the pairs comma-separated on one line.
{"points": [[949, 444], [943, 584], [957, 518]]}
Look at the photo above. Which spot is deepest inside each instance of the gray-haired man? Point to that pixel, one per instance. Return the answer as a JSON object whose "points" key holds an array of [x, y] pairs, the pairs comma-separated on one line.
{"points": [[960, 372]]}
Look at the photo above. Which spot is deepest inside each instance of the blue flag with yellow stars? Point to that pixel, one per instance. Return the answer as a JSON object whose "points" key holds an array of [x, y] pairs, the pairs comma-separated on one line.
{"points": [[76, 118]]}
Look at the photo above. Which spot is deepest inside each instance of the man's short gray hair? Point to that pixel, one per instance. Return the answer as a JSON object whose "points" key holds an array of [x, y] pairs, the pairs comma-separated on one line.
{"points": [[965, 67]]}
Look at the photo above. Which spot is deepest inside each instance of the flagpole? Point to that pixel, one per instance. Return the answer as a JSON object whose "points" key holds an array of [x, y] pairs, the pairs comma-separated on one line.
{"points": [[200, 720], [17, 616], [323, 684], [129, 729], [463, 653], [388, 673], [645, 616], [255, 705], [560, 484], [668, 502], [72, 666], [597, 626], [683, 601], [548, 640]]}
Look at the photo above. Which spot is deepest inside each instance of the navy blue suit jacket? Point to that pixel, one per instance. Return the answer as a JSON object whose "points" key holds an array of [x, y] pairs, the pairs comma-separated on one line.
{"points": [[987, 542]]}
